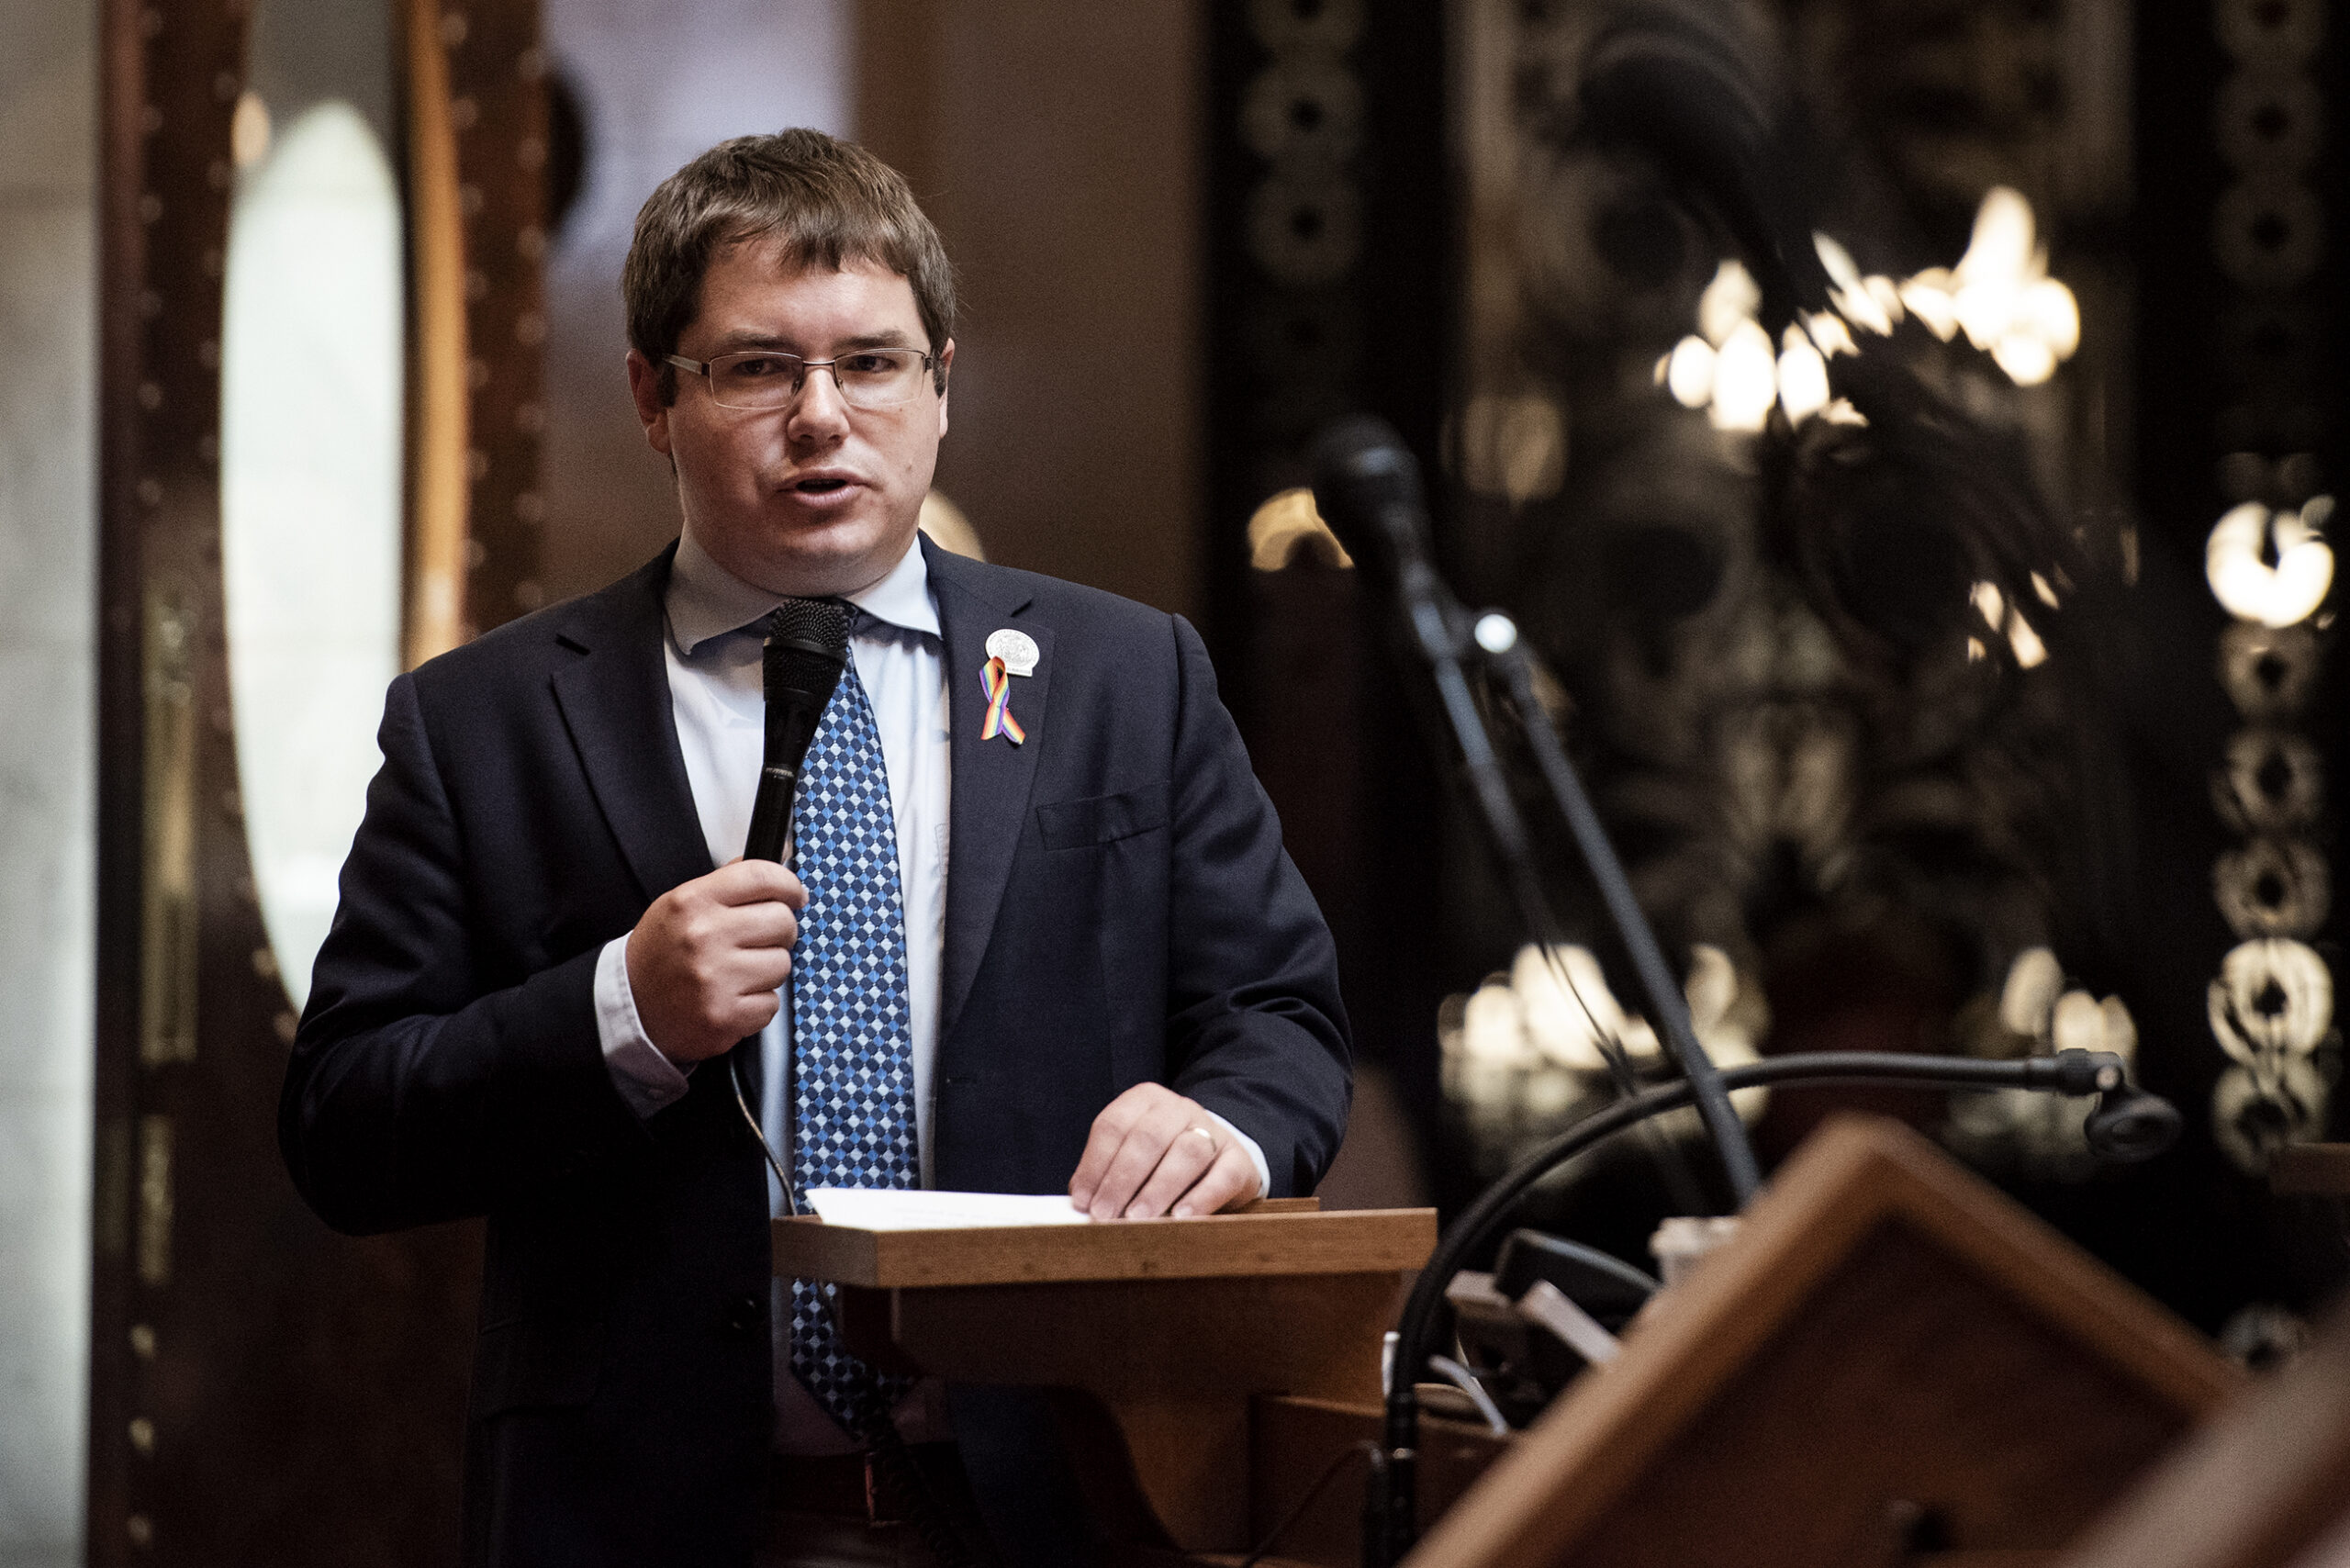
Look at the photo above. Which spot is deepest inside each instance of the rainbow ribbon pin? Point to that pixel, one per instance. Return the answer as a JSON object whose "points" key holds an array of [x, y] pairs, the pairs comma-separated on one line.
{"points": [[999, 721]]}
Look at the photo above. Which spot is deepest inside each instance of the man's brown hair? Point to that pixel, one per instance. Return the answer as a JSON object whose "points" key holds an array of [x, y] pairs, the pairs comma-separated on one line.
{"points": [[827, 202]]}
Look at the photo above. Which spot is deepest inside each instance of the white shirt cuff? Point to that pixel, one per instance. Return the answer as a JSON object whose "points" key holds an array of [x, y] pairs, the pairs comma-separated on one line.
{"points": [[648, 1081], [1255, 1154]]}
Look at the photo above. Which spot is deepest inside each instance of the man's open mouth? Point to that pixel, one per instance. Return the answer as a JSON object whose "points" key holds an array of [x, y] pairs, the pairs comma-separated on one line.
{"points": [[820, 486]]}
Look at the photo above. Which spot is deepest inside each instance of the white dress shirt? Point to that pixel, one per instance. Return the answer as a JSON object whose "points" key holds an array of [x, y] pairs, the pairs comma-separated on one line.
{"points": [[716, 689]]}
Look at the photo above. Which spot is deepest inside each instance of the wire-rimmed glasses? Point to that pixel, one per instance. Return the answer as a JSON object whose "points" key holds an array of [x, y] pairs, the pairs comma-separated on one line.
{"points": [[761, 379]]}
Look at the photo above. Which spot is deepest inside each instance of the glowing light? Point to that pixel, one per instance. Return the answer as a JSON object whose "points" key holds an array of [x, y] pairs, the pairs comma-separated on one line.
{"points": [[1729, 302], [2028, 360], [1495, 633], [2025, 644], [2034, 981], [2002, 296], [1838, 261], [2078, 1023], [2004, 238], [1929, 297], [2121, 1029], [1887, 294], [1745, 380], [249, 131], [1492, 1030], [2007, 620], [1803, 377], [1830, 333], [2047, 595], [1287, 522], [1556, 1023], [2249, 587], [1861, 302], [2274, 999], [1999, 294], [2054, 315], [1990, 603], [1689, 373], [1842, 412]]}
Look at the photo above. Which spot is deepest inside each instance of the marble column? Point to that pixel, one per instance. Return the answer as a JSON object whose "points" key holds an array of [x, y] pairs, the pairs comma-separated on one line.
{"points": [[48, 555]]}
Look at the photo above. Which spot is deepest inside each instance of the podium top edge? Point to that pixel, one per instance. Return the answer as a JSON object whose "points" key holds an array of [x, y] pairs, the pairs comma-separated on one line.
{"points": [[1344, 1241]]}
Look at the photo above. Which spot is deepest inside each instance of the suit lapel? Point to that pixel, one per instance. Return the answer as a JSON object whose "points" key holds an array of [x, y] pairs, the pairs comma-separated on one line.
{"points": [[614, 698], [988, 805]]}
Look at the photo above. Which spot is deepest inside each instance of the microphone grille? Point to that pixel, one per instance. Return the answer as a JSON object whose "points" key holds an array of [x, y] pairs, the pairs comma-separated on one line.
{"points": [[814, 625], [807, 644]]}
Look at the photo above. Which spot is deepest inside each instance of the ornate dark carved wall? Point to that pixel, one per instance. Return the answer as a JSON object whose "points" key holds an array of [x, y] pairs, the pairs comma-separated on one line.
{"points": [[1328, 269], [1911, 731], [1911, 727]]}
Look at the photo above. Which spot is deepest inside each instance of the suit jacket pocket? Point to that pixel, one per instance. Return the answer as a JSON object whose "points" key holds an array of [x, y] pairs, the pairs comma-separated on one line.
{"points": [[536, 1362], [1077, 825]]}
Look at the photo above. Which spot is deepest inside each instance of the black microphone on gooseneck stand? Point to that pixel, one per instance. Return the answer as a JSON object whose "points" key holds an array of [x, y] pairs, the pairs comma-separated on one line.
{"points": [[1367, 486]]}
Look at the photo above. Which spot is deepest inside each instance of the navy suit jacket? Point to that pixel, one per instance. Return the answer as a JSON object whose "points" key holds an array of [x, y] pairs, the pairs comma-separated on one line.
{"points": [[1120, 911]]}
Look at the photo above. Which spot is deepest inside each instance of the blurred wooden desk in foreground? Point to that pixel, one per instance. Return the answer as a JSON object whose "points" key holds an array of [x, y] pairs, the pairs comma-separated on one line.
{"points": [[2266, 1485], [1160, 1331], [1892, 1364]]}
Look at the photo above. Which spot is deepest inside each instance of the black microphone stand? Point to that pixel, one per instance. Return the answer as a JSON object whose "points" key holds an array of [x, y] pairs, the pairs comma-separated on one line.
{"points": [[1496, 637], [2127, 1125], [1367, 478]]}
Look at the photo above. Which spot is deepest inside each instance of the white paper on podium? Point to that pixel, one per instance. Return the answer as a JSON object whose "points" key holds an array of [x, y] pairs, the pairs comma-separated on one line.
{"points": [[912, 1208]]}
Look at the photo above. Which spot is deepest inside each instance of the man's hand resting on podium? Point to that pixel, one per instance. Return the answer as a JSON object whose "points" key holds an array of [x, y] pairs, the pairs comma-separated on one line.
{"points": [[1153, 1152]]}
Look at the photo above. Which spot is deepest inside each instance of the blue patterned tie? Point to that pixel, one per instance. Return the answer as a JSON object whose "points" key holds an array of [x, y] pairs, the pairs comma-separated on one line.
{"points": [[852, 1074]]}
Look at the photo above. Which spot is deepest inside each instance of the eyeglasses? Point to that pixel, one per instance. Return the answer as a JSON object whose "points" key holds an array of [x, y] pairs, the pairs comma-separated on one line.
{"points": [[762, 380]]}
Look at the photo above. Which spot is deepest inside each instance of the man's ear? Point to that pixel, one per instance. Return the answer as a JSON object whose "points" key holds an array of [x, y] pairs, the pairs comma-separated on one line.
{"points": [[945, 365], [644, 387]]}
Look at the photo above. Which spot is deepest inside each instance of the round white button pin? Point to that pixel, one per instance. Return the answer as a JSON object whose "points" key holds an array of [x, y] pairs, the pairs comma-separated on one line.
{"points": [[1016, 649]]}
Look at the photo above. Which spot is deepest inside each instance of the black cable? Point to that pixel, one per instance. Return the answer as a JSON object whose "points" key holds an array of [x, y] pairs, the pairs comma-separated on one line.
{"points": [[2131, 1129]]}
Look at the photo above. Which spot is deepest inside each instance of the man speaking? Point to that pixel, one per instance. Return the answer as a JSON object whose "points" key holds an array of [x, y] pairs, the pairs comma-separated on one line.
{"points": [[1042, 935]]}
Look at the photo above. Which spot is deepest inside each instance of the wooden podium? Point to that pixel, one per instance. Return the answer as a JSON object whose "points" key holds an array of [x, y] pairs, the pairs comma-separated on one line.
{"points": [[1890, 1364], [1159, 1332], [2266, 1485]]}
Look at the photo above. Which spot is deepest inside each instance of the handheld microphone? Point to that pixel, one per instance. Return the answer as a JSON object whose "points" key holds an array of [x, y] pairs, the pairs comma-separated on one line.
{"points": [[806, 646]]}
